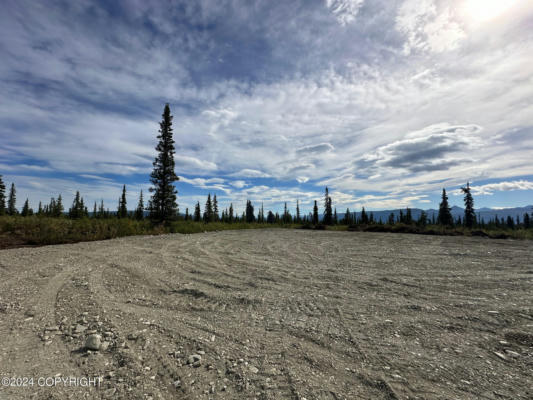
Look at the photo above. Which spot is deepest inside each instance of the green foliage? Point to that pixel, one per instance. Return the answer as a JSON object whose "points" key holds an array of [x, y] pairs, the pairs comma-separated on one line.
{"points": [[2, 197], [163, 204], [250, 217], [445, 216], [122, 211], [328, 212], [470, 216], [12, 201]]}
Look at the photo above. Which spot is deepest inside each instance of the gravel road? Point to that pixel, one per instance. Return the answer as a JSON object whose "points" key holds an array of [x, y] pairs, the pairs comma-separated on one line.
{"points": [[268, 314]]}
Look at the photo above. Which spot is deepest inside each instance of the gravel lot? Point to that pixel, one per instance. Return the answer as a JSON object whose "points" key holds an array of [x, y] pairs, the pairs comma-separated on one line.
{"points": [[269, 314]]}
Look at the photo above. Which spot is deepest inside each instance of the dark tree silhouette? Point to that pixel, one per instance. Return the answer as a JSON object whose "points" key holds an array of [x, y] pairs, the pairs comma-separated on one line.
{"points": [[122, 211], [139, 211], [298, 217], [250, 217], [78, 209], [423, 219], [215, 208], [26, 210], [197, 212], [315, 214], [270, 218], [445, 215], [328, 212], [163, 202], [364, 217], [527, 221], [470, 216], [12, 201], [208, 211], [2, 197], [231, 216]]}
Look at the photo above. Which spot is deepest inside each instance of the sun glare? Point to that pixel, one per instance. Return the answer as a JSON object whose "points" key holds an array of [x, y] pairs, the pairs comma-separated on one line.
{"points": [[485, 10]]}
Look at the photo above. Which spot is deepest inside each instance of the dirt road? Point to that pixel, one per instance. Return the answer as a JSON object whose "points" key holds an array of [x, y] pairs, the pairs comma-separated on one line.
{"points": [[269, 314]]}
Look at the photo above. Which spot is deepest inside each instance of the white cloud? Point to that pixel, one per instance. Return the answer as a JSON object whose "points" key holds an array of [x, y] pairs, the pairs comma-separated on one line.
{"points": [[428, 27], [344, 10], [250, 173], [316, 149], [505, 186]]}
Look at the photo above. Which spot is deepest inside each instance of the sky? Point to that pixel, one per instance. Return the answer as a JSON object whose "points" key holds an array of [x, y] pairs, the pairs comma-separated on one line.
{"points": [[386, 102]]}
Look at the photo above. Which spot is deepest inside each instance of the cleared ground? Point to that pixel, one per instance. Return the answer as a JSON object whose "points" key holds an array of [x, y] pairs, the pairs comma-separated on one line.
{"points": [[273, 314]]}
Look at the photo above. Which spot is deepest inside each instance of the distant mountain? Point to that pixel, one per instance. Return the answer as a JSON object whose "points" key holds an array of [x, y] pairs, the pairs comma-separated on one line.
{"points": [[483, 213]]}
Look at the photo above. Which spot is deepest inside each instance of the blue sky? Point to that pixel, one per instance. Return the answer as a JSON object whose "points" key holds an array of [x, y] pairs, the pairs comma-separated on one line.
{"points": [[384, 101]]}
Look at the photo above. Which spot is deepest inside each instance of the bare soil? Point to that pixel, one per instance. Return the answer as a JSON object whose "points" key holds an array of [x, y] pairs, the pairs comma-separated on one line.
{"points": [[271, 314]]}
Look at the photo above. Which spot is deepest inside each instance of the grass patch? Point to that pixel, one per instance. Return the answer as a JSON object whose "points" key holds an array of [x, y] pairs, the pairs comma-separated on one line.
{"points": [[17, 231]]}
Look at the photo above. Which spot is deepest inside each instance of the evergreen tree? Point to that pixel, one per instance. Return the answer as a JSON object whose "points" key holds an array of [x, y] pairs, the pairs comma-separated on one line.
{"points": [[250, 217], [215, 208], [58, 207], [423, 219], [2, 197], [95, 210], [197, 212], [470, 216], [122, 211], [231, 216], [208, 212], [445, 215], [40, 211], [364, 217], [139, 211], [510, 222], [298, 218], [101, 210], [408, 216], [391, 219], [270, 217], [286, 215], [262, 214], [163, 202], [76, 211], [25, 209], [347, 217], [12, 201], [187, 214], [328, 212], [335, 219], [527, 221], [315, 214]]}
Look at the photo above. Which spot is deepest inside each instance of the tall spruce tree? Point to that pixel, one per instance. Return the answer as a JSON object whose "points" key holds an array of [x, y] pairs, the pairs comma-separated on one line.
{"points": [[2, 197], [250, 217], [122, 211], [315, 213], [470, 216], [12, 201], [445, 215], [163, 203], [328, 212], [139, 211], [231, 216], [208, 212], [216, 217], [197, 212], [527, 221], [58, 207], [298, 217], [26, 209]]}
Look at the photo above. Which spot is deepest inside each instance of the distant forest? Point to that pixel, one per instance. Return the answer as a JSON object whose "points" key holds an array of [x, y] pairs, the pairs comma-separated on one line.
{"points": [[161, 212]]}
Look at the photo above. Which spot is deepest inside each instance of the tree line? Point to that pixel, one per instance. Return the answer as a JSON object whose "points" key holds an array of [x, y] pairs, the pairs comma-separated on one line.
{"points": [[162, 205]]}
